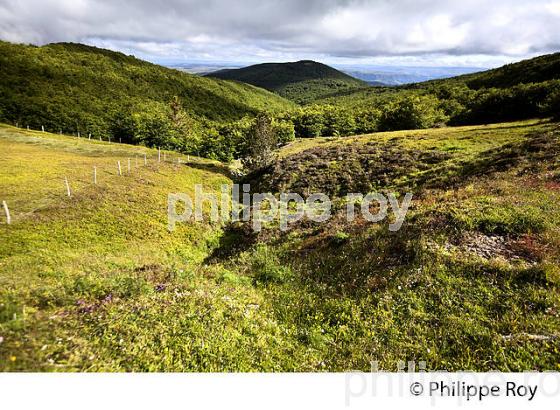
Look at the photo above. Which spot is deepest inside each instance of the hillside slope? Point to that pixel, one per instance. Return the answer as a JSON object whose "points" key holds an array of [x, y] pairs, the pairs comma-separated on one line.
{"points": [[535, 70], [539, 70], [301, 81], [76, 87], [96, 282]]}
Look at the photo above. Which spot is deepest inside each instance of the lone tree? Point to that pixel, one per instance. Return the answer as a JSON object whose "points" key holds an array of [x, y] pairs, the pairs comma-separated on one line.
{"points": [[262, 141]]}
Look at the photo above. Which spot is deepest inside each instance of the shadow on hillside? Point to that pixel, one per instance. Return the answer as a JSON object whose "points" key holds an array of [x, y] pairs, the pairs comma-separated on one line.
{"points": [[235, 239]]}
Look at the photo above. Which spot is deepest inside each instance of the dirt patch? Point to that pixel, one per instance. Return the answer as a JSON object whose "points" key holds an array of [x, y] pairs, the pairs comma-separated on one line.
{"points": [[525, 248]]}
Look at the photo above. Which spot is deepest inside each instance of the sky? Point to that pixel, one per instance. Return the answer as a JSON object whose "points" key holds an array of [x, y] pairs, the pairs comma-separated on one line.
{"points": [[470, 33]]}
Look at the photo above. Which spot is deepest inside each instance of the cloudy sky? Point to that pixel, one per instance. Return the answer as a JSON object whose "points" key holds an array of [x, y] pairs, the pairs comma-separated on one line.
{"points": [[481, 33]]}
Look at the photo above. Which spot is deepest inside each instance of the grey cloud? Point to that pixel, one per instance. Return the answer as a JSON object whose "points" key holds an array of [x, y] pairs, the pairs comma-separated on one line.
{"points": [[277, 29]]}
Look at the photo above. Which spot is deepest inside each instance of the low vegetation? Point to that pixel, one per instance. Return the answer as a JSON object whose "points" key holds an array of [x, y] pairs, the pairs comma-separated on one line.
{"points": [[95, 282]]}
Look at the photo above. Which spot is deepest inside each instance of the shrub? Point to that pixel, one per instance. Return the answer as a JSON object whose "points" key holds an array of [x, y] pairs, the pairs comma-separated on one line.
{"points": [[412, 113]]}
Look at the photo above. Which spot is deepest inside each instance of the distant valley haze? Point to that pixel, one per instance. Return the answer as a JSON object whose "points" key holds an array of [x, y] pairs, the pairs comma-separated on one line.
{"points": [[374, 75]]}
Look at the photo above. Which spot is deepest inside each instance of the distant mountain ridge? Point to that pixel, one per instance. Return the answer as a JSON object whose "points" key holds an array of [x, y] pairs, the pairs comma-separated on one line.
{"points": [[300, 81]]}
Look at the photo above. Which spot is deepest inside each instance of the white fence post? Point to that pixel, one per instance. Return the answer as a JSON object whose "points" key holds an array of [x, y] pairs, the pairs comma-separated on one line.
{"points": [[8, 217], [119, 166], [95, 175], [145, 159], [158, 155], [67, 186], [43, 128]]}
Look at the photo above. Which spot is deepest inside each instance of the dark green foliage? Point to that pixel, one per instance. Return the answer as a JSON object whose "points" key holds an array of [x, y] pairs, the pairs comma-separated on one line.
{"points": [[518, 102], [302, 81], [260, 146], [513, 92], [552, 105], [412, 113], [80, 88]]}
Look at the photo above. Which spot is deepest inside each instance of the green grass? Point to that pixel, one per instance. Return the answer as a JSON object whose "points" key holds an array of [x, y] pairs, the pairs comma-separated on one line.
{"points": [[95, 282], [472, 139]]}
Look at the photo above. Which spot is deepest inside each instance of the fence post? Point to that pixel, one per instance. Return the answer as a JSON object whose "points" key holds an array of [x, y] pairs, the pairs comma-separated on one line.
{"points": [[78, 134], [158, 155], [119, 166], [95, 175], [89, 136], [28, 128], [8, 217], [145, 159], [43, 128], [67, 186]]}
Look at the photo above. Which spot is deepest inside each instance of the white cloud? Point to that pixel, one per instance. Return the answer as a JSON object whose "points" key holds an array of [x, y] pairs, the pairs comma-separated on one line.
{"points": [[353, 30]]}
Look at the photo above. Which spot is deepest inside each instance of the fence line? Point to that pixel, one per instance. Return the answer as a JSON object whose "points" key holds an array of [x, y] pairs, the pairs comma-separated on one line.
{"points": [[67, 186], [8, 217]]}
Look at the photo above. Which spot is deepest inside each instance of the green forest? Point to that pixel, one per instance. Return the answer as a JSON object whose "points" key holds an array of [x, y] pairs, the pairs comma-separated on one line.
{"points": [[72, 88]]}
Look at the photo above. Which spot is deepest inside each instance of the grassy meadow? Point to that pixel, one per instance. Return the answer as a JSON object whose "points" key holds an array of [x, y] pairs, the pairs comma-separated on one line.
{"points": [[95, 282]]}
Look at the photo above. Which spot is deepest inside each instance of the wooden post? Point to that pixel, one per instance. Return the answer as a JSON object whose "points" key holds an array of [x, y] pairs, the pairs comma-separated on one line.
{"points": [[43, 128], [89, 136], [95, 175], [158, 155], [129, 165], [28, 128], [67, 186], [119, 166], [8, 217], [145, 159], [109, 140]]}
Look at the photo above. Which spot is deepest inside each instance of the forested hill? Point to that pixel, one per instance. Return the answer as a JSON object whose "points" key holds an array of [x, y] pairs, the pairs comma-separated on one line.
{"points": [[76, 87], [300, 81], [535, 70]]}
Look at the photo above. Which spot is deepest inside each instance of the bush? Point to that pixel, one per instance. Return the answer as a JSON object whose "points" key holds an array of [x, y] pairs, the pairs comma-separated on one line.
{"points": [[412, 113]]}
